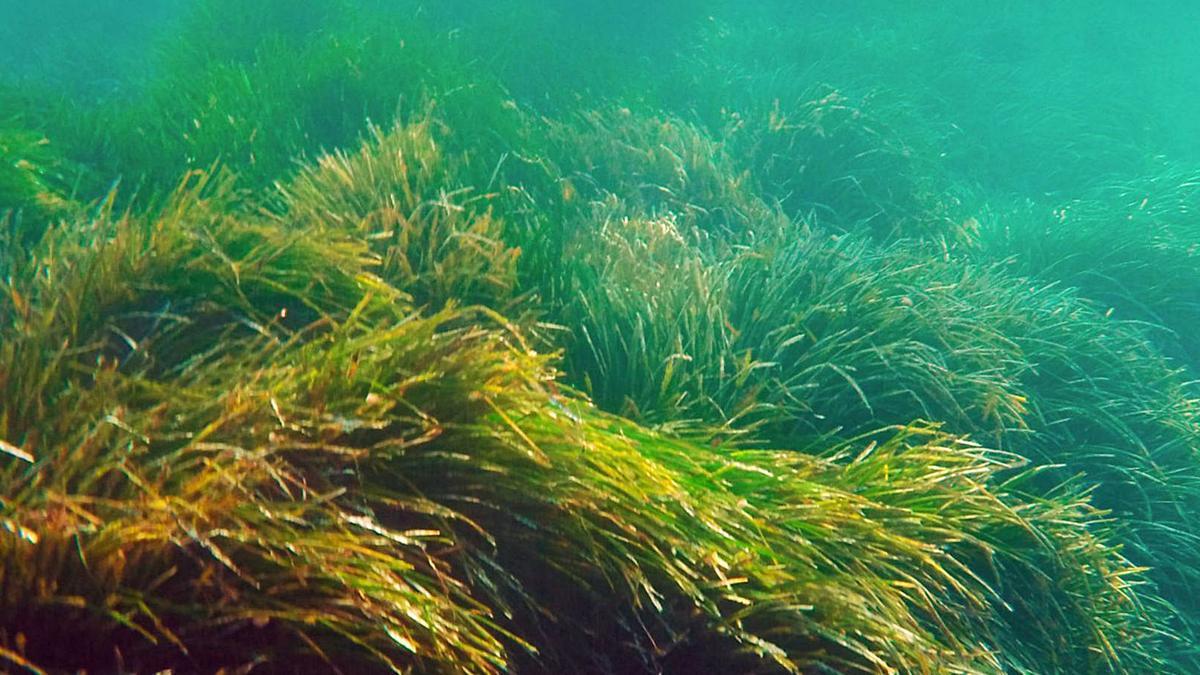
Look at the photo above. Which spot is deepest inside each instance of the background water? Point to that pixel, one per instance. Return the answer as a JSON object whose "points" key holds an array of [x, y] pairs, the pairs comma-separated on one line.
{"points": [[1025, 96]]}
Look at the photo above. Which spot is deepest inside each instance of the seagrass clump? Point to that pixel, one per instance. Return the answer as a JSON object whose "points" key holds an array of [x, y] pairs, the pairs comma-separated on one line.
{"points": [[259, 455]]}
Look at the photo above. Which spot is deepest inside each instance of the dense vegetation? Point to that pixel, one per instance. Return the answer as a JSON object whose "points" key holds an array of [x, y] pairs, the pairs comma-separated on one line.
{"points": [[630, 337]]}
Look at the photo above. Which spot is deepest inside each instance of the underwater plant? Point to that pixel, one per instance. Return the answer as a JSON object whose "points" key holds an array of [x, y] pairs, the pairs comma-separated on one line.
{"points": [[257, 100], [1131, 248], [654, 165], [35, 185], [190, 458], [812, 337], [436, 240], [484, 341], [831, 159]]}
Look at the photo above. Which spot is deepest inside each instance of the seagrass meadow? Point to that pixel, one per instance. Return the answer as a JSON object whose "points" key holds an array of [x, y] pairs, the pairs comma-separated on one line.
{"points": [[541, 337]]}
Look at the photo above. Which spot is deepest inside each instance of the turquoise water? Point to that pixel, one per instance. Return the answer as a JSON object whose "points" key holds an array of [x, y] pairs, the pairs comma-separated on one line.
{"points": [[1092, 90], [730, 227]]}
